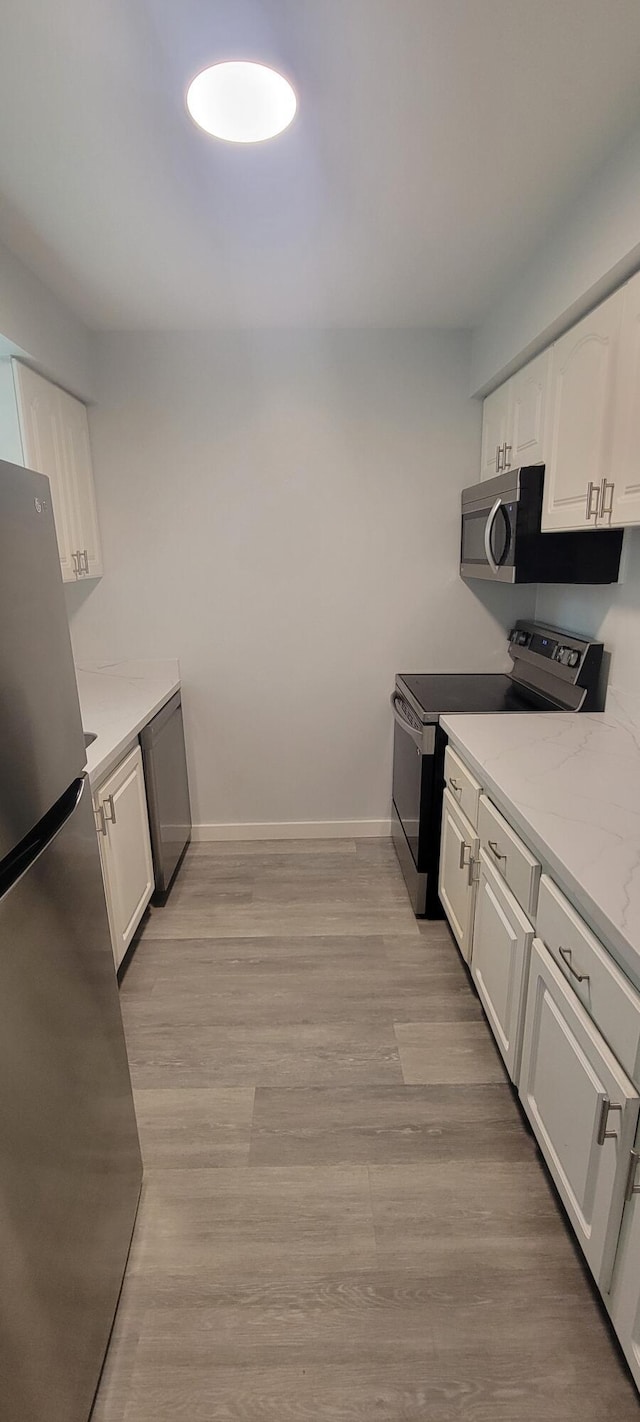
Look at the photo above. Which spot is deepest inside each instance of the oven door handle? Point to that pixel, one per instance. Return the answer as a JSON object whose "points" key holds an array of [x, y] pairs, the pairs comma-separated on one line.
{"points": [[488, 530], [416, 736]]}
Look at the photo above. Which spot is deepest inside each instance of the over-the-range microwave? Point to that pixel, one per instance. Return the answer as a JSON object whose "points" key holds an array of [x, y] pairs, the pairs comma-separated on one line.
{"points": [[503, 542]]}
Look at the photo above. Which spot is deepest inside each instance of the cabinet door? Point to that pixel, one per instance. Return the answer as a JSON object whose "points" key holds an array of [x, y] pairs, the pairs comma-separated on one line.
{"points": [[458, 848], [74, 425], [624, 498], [125, 849], [583, 1109], [528, 393], [502, 939], [494, 431], [43, 450], [582, 390], [625, 1290]]}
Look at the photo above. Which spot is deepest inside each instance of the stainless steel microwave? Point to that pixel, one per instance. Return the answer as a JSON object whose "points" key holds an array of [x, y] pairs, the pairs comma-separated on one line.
{"points": [[502, 539]]}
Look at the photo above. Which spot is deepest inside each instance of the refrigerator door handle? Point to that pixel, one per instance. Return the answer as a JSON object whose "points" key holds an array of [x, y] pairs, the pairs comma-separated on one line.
{"points": [[34, 844]]}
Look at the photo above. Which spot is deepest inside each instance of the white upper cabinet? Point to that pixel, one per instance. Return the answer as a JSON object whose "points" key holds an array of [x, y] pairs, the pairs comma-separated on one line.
{"points": [[495, 412], [77, 453], [41, 434], [584, 369], [622, 496], [55, 440], [528, 394], [513, 420]]}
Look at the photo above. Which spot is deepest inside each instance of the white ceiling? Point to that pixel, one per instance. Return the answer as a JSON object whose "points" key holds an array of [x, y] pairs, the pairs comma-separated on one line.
{"points": [[436, 141]]}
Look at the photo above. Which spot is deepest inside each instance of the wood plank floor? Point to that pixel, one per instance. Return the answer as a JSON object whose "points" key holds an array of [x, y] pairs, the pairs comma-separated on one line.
{"points": [[343, 1215]]}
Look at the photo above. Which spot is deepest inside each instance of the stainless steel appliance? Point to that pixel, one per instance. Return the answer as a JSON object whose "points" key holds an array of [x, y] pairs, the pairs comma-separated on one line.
{"points": [[552, 671], [165, 773], [70, 1166], [502, 538]]}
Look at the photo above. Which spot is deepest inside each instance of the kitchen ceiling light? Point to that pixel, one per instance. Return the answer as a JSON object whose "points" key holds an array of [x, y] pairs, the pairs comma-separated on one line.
{"points": [[241, 102]]}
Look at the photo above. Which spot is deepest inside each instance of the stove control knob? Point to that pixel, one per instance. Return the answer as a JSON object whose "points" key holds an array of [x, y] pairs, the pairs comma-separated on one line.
{"points": [[573, 659]]}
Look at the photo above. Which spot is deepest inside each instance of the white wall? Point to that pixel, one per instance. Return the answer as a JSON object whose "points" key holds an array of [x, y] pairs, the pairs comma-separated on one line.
{"points": [[592, 249], [281, 511], [612, 614], [10, 441], [33, 323]]}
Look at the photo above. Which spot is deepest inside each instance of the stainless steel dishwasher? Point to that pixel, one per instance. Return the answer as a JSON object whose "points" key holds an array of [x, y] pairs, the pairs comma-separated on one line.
{"points": [[165, 773]]}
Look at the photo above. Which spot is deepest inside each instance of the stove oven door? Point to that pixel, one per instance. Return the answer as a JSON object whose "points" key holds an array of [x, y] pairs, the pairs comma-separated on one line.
{"points": [[413, 746]]}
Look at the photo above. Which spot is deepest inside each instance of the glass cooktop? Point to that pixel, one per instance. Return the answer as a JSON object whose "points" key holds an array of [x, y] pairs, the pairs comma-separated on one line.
{"points": [[466, 693]]}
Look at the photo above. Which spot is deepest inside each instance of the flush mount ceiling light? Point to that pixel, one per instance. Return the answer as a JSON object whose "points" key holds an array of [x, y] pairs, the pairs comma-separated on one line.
{"points": [[241, 102]]}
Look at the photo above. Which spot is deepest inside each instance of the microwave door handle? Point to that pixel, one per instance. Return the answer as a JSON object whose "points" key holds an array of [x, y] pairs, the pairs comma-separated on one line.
{"points": [[488, 530], [416, 736]]}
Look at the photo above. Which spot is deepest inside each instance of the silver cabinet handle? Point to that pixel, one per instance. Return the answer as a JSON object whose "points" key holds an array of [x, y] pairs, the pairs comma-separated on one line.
{"points": [[606, 1109], [591, 490], [76, 564], [99, 814], [108, 802], [565, 954], [455, 785], [606, 509], [464, 850], [499, 453], [632, 1188], [507, 455], [85, 557], [493, 846]]}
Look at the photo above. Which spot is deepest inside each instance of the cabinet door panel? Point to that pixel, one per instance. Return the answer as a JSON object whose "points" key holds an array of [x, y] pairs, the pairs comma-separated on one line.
{"points": [[494, 430], [75, 434], [502, 938], [43, 450], [125, 849], [568, 1078], [527, 410], [583, 374], [625, 463], [459, 845], [625, 1289]]}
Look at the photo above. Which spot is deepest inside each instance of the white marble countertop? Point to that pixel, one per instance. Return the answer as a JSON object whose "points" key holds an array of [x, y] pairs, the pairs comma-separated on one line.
{"points": [[116, 700], [571, 785]]}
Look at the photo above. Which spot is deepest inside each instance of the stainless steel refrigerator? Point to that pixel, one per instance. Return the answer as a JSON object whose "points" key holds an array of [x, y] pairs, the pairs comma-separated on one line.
{"points": [[70, 1167]]}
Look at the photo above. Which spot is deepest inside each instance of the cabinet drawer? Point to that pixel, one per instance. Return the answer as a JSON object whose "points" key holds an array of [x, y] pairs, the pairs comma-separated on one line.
{"points": [[462, 785], [609, 998], [506, 851]]}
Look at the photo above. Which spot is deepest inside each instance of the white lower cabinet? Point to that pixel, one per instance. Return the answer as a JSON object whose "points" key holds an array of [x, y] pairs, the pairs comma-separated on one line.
{"points": [[458, 850], [583, 1109], [624, 1303], [502, 939], [120, 807]]}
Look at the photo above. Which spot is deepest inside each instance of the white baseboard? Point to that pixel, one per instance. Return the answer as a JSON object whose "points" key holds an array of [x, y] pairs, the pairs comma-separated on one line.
{"points": [[304, 829]]}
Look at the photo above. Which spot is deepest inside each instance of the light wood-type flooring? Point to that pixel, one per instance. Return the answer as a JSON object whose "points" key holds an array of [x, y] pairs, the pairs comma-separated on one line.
{"points": [[344, 1218]]}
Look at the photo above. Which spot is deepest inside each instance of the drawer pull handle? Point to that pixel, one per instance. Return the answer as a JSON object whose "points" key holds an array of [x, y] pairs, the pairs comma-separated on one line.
{"points": [[464, 849], [632, 1188], [111, 813], [455, 785], [603, 1133], [493, 846], [565, 954]]}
